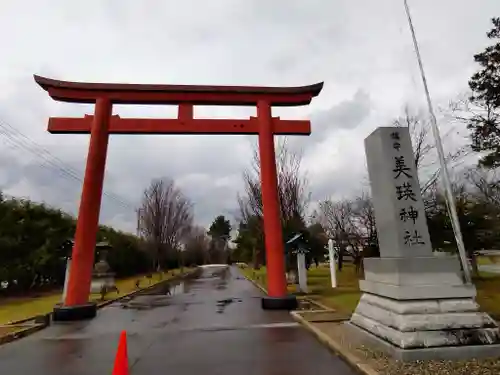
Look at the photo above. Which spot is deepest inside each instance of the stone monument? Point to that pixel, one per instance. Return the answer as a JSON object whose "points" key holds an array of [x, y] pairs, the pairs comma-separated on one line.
{"points": [[415, 305]]}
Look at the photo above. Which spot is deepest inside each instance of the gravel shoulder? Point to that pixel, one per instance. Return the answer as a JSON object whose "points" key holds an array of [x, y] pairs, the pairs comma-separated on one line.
{"points": [[384, 365]]}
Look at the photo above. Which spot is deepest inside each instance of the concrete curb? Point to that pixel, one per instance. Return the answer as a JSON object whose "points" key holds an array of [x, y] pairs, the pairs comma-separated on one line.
{"points": [[319, 304], [352, 360], [13, 336], [21, 321], [336, 319], [255, 283]]}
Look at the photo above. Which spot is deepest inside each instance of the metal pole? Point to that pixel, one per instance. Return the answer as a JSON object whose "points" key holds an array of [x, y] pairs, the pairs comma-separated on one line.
{"points": [[139, 216], [442, 161], [331, 256]]}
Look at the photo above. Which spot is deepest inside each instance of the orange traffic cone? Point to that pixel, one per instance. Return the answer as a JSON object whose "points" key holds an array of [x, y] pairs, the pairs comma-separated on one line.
{"points": [[121, 359]]}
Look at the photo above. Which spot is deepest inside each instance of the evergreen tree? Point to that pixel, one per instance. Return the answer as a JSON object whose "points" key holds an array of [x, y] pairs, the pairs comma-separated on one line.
{"points": [[485, 85]]}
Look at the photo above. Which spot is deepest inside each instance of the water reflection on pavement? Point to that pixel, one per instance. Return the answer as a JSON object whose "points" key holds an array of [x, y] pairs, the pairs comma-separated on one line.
{"points": [[212, 324]]}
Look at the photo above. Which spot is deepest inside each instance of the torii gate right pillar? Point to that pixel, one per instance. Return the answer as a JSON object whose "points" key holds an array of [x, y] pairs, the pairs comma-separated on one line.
{"points": [[276, 281]]}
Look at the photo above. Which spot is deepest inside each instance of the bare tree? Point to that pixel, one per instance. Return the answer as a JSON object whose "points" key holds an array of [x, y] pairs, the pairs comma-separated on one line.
{"points": [[364, 214], [293, 193], [166, 216], [197, 245], [339, 221], [424, 148], [292, 185], [486, 183]]}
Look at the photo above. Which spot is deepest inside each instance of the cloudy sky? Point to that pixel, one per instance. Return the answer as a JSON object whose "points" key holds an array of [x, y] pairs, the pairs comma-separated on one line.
{"points": [[361, 49]]}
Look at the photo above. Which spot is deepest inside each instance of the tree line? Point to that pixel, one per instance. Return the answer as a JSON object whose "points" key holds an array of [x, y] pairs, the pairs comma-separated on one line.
{"points": [[168, 233], [350, 221], [34, 242]]}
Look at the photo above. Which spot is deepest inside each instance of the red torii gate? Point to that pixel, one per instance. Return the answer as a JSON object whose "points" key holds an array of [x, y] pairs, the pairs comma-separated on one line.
{"points": [[102, 123]]}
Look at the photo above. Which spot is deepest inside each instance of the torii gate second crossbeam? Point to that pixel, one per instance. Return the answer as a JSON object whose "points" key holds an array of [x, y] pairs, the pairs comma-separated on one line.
{"points": [[76, 304]]}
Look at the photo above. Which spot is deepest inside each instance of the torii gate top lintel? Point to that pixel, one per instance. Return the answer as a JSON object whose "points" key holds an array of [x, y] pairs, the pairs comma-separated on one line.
{"points": [[125, 93]]}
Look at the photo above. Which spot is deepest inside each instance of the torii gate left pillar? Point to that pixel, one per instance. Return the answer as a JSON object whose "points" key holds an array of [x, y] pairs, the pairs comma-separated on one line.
{"points": [[76, 306]]}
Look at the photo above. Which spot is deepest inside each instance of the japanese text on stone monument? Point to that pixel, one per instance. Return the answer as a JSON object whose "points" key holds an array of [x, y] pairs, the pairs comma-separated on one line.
{"points": [[408, 214]]}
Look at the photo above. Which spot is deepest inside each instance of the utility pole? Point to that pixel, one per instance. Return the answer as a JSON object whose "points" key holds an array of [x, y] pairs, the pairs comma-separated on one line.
{"points": [[445, 177], [139, 212]]}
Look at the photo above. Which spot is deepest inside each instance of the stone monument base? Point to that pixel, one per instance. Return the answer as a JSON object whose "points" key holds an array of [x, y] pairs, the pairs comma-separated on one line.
{"points": [[457, 353], [409, 330], [416, 278]]}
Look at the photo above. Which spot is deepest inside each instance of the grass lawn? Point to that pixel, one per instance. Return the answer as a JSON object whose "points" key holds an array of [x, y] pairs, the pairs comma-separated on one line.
{"points": [[259, 276], [488, 293], [345, 297], [14, 309]]}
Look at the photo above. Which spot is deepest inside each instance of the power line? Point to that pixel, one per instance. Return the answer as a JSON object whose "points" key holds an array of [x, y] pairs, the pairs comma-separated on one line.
{"points": [[48, 158], [47, 162], [23, 142]]}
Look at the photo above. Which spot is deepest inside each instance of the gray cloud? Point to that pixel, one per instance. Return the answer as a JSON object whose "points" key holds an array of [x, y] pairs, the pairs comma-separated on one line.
{"points": [[348, 114]]}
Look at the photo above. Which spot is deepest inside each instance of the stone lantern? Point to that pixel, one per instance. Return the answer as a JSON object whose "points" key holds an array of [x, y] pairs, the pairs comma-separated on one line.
{"points": [[102, 276], [297, 246]]}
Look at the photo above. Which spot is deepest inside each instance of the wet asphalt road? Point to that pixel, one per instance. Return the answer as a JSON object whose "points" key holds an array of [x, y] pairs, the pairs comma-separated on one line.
{"points": [[209, 325]]}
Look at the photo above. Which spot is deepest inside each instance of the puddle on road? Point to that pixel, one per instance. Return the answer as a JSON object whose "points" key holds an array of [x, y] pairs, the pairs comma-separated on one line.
{"points": [[168, 289], [158, 296], [162, 295], [221, 278], [221, 285]]}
